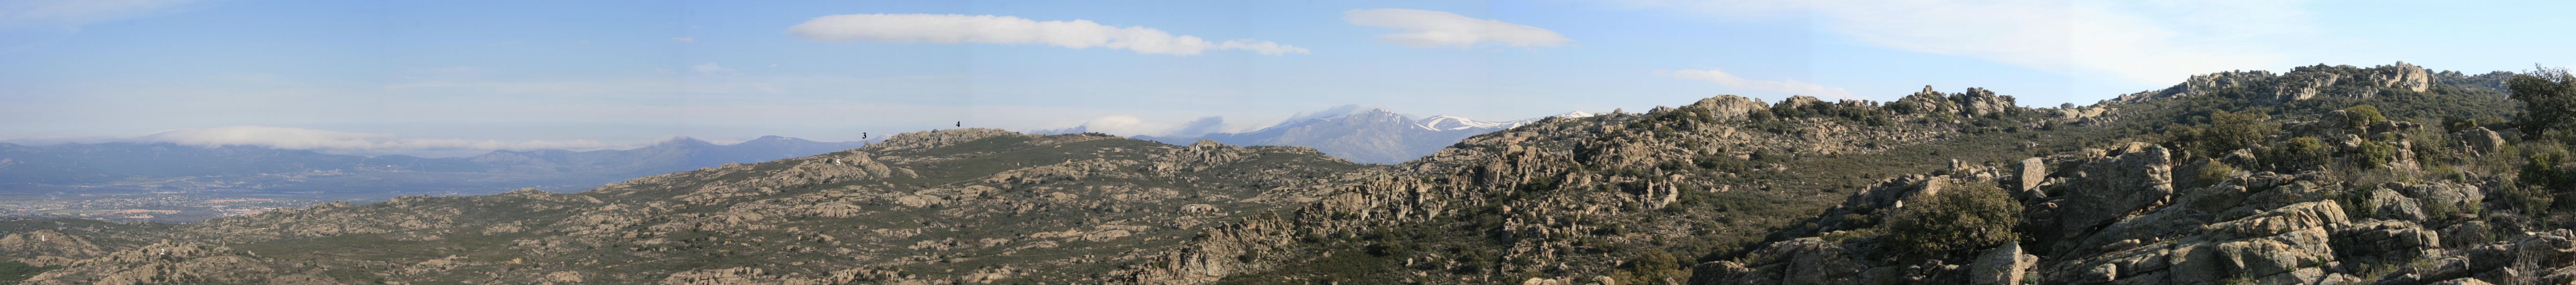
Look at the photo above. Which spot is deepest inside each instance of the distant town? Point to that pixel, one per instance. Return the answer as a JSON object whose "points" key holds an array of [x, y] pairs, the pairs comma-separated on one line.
{"points": [[159, 207]]}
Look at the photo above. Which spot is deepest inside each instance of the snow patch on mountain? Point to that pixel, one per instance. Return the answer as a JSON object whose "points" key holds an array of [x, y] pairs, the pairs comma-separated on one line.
{"points": [[1452, 123], [1448, 123]]}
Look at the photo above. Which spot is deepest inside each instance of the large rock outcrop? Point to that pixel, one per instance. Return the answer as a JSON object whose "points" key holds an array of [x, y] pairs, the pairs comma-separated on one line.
{"points": [[2133, 179], [1730, 107], [2402, 76]]}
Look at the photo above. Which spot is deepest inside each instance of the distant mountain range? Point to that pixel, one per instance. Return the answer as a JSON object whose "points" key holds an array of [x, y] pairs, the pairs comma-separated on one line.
{"points": [[82, 163], [1369, 136]]}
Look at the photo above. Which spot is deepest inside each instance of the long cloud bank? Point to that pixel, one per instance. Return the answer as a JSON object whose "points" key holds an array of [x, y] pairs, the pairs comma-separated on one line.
{"points": [[1789, 87], [2146, 42], [1008, 30], [1426, 28]]}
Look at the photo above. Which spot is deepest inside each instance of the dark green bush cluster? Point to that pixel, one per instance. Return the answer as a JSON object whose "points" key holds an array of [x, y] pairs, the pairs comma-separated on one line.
{"points": [[2375, 154], [2360, 116], [12, 271], [2211, 174], [2301, 153], [2226, 132], [1957, 220], [2549, 171], [2533, 200], [1862, 112], [1650, 267], [2457, 124], [2548, 96]]}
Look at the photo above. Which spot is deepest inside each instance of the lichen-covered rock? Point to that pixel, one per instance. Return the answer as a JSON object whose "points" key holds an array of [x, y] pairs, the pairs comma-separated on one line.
{"points": [[2115, 187], [2004, 265], [2296, 217], [2033, 172], [2205, 83], [1973, 103], [1800, 261], [2386, 241], [2481, 140], [2395, 206], [2276, 259], [2466, 234], [1730, 107], [2454, 198], [2402, 76], [2302, 86]]}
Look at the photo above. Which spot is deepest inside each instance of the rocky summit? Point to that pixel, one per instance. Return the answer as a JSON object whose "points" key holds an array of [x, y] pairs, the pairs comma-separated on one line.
{"points": [[2320, 175]]}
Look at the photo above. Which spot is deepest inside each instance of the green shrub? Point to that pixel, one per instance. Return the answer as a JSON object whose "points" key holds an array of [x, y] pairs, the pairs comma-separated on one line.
{"points": [[1650, 267], [2302, 153], [2375, 154], [2548, 96], [2547, 170], [2533, 200], [2226, 132], [2547, 174], [12, 271], [2361, 116], [1957, 220], [2211, 174], [2458, 124]]}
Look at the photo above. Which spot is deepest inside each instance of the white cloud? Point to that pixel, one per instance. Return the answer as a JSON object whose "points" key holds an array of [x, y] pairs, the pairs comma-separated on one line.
{"points": [[1792, 87], [990, 29], [348, 142], [2150, 42], [1426, 28], [1124, 125], [710, 69], [684, 40], [74, 13]]}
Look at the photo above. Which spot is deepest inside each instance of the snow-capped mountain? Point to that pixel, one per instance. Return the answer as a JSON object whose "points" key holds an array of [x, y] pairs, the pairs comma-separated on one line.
{"points": [[1453, 123]]}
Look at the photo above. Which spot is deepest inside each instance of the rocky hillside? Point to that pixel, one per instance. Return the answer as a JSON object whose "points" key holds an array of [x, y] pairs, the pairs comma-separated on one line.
{"points": [[1643, 197], [2309, 196], [2320, 175], [950, 206]]}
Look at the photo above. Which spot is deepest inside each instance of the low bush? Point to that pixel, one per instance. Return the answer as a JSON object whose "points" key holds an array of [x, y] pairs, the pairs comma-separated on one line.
{"points": [[2211, 174], [2361, 116], [2302, 153], [11, 271], [1957, 220], [2375, 154]]}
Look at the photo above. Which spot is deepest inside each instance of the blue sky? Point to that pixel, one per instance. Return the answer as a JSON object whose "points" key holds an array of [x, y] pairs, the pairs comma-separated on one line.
{"points": [[464, 76]]}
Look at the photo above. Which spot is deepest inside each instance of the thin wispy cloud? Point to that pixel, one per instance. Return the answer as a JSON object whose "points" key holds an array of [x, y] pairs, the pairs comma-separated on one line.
{"points": [[1785, 87], [1426, 28], [684, 40], [1007, 30], [711, 69], [71, 14], [2137, 41]]}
